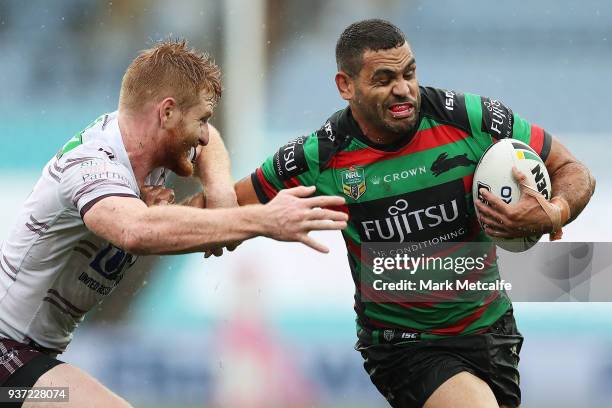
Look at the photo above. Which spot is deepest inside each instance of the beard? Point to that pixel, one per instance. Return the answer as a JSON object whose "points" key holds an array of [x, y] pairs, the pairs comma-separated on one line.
{"points": [[179, 157]]}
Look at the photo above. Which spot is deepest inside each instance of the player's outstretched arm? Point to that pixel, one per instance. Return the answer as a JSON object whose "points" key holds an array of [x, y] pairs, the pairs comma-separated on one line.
{"points": [[245, 192], [129, 224], [213, 168]]}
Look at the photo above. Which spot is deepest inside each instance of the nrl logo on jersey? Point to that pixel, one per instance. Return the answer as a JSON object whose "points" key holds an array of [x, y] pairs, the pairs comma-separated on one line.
{"points": [[353, 182]]}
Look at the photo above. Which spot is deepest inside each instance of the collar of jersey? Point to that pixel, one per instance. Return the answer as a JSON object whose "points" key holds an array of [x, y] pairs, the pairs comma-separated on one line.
{"points": [[349, 126]]}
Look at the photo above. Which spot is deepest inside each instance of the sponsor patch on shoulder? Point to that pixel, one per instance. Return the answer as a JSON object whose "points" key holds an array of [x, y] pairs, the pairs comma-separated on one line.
{"points": [[497, 119], [97, 169], [290, 159]]}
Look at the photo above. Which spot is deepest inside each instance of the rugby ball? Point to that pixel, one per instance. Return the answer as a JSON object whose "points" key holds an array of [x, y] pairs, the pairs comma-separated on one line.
{"points": [[494, 173]]}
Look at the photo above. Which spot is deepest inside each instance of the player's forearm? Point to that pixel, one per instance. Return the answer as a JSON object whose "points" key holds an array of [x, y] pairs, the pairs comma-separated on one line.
{"points": [[575, 184], [213, 166], [176, 229], [197, 200]]}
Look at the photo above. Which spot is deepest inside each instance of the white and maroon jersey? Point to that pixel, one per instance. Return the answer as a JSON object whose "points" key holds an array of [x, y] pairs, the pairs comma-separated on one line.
{"points": [[53, 270]]}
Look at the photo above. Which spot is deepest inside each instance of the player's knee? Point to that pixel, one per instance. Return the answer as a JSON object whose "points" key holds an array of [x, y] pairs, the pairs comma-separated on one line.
{"points": [[463, 390], [83, 389]]}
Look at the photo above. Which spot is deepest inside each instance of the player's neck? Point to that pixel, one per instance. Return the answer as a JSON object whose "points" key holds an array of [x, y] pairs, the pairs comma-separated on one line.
{"points": [[139, 141], [373, 134]]}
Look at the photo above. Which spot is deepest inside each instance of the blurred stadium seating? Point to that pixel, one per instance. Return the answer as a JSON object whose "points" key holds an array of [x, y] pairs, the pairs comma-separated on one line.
{"points": [[275, 321]]}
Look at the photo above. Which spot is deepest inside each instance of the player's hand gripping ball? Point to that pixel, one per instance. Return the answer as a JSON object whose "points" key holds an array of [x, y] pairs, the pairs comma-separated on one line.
{"points": [[494, 173]]}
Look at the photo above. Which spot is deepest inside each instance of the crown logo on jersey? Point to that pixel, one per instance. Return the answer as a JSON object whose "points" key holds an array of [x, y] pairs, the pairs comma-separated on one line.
{"points": [[353, 182]]}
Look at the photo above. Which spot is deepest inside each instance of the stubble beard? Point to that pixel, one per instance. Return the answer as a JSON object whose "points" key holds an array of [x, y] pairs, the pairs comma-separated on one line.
{"points": [[179, 160], [375, 120]]}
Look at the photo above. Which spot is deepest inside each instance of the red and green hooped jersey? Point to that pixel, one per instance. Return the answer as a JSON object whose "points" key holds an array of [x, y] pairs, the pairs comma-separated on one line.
{"points": [[431, 169]]}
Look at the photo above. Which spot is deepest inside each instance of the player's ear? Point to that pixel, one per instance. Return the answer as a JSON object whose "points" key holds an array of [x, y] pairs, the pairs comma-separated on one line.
{"points": [[345, 85], [168, 113]]}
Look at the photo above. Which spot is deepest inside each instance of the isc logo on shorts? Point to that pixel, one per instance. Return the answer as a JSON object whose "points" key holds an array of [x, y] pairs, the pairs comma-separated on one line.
{"points": [[390, 335]]}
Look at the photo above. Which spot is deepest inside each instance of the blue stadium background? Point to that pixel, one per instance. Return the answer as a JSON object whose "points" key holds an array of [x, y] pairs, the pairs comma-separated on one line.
{"points": [[272, 324]]}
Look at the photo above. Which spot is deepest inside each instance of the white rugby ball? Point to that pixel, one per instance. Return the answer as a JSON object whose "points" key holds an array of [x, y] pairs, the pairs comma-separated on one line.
{"points": [[494, 173]]}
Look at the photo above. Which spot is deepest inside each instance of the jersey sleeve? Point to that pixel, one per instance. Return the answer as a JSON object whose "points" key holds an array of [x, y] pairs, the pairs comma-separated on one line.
{"points": [[294, 164], [88, 178], [490, 120]]}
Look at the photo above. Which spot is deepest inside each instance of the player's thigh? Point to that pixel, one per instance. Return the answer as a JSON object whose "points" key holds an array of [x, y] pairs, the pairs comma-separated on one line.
{"points": [[463, 390], [84, 390]]}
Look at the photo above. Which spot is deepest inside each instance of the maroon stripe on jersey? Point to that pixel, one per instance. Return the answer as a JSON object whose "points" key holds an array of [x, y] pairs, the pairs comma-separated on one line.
{"points": [[54, 176], [371, 295], [11, 267], [341, 208], [452, 330], [462, 324], [472, 233], [366, 292], [467, 183], [448, 295], [83, 251], [60, 307], [34, 229], [380, 325], [82, 159], [90, 244], [7, 273], [34, 221], [42, 225], [426, 139], [57, 168], [91, 186], [536, 141], [85, 188], [353, 247], [268, 189], [91, 203], [292, 182], [65, 302], [426, 300]]}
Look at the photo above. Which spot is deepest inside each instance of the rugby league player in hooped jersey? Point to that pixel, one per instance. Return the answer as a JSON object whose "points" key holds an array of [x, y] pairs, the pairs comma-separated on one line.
{"points": [[85, 221], [404, 157]]}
